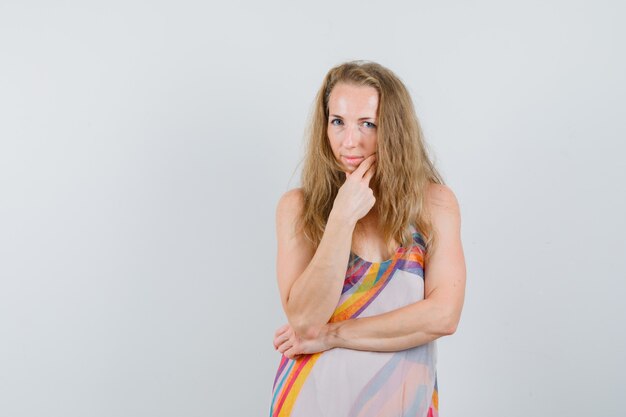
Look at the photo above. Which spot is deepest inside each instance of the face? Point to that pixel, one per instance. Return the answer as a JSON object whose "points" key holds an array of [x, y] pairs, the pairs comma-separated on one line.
{"points": [[352, 121]]}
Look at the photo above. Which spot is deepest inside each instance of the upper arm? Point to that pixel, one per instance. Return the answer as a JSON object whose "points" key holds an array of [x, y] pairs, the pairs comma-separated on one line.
{"points": [[444, 274], [294, 252]]}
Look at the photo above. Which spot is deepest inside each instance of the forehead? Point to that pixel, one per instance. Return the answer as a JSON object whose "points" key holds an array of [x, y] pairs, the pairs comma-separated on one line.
{"points": [[350, 99]]}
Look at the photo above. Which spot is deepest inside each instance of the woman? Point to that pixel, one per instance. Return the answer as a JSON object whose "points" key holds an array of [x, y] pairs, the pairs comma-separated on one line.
{"points": [[370, 263]]}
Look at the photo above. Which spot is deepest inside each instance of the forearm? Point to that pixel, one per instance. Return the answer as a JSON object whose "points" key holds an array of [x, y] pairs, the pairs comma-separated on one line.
{"points": [[403, 328], [314, 295]]}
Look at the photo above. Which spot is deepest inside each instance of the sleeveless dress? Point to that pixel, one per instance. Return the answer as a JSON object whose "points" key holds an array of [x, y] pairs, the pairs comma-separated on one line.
{"points": [[353, 383]]}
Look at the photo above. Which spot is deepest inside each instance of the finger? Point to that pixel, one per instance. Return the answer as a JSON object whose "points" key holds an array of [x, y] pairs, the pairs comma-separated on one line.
{"points": [[364, 166], [285, 341], [282, 335], [277, 342], [281, 329], [282, 338], [369, 173], [284, 347], [291, 352]]}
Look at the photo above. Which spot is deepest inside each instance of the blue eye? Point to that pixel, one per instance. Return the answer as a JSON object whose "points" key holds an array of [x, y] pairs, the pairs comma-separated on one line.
{"points": [[369, 124], [332, 122]]}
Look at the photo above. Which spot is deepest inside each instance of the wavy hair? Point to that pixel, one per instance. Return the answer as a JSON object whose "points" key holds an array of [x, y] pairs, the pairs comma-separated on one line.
{"points": [[403, 167]]}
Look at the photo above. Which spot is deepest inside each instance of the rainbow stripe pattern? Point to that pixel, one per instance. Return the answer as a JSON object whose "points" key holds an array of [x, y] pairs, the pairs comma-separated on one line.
{"points": [[342, 382]]}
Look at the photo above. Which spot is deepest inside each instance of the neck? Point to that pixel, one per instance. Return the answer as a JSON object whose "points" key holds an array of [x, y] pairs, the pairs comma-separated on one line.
{"points": [[370, 220]]}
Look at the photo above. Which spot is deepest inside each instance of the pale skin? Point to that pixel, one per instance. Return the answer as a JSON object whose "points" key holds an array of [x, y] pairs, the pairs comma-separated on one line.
{"points": [[310, 280]]}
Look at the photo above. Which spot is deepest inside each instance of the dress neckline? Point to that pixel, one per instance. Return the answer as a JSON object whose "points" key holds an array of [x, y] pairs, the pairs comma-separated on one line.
{"points": [[395, 255], [397, 252]]}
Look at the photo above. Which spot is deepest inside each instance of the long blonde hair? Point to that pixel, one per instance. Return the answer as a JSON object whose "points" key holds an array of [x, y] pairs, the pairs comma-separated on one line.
{"points": [[403, 167]]}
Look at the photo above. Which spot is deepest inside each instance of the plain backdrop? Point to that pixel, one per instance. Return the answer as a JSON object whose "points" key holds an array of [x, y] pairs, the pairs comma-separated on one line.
{"points": [[144, 146]]}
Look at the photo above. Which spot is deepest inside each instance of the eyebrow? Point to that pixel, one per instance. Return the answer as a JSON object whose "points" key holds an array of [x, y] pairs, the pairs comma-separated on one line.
{"points": [[360, 118]]}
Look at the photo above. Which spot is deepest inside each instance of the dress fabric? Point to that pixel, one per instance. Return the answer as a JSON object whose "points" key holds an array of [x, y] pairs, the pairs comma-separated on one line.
{"points": [[352, 383]]}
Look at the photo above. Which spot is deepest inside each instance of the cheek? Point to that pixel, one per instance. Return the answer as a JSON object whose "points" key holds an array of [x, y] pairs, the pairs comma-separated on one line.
{"points": [[332, 140], [373, 142], [331, 133]]}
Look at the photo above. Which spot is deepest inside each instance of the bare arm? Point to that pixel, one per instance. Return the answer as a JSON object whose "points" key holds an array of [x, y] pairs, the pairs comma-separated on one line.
{"points": [[444, 289], [310, 281], [400, 329], [436, 315]]}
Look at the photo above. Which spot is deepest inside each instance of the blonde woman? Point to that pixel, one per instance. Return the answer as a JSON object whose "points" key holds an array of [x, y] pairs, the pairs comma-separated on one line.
{"points": [[370, 264]]}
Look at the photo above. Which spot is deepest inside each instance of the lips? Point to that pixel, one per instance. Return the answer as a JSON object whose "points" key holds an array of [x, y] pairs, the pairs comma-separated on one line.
{"points": [[352, 160]]}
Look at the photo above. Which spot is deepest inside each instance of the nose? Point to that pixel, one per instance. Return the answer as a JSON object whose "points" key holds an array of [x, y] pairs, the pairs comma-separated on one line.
{"points": [[351, 136]]}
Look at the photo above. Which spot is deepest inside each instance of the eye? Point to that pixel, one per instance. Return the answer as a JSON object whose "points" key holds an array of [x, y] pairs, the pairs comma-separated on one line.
{"points": [[369, 125], [338, 122]]}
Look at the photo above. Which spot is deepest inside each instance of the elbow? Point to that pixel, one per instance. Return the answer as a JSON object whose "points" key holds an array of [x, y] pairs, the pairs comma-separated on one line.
{"points": [[449, 324], [450, 329], [307, 330], [294, 316], [302, 326]]}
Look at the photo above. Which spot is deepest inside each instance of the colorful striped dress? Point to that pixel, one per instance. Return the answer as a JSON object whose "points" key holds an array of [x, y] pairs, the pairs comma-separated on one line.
{"points": [[352, 383]]}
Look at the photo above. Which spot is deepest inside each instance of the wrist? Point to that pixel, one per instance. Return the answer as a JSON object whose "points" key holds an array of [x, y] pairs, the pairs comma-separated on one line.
{"points": [[340, 219], [331, 335]]}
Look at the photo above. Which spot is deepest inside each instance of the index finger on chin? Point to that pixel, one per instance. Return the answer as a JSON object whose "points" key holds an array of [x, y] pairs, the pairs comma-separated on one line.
{"points": [[364, 166]]}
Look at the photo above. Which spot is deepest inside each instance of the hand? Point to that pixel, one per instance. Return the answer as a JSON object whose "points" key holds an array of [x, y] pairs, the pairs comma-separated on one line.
{"points": [[355, 198], [294, 346]]}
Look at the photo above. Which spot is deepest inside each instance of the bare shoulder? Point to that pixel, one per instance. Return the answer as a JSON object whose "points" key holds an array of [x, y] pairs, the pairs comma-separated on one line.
{"points": [[292, 200], [443, 206], [288, 209], [440, 197]]}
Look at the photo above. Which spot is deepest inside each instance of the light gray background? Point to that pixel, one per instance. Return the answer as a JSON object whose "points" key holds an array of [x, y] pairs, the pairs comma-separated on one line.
{"points": [[144, 146]]}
